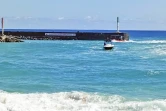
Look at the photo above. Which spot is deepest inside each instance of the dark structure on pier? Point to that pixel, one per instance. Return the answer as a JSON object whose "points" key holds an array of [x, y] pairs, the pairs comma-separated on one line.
{"points": [[66, 35]]}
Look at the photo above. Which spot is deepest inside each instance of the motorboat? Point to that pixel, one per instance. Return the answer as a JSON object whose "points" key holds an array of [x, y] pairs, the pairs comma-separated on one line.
{"points": [[108, 45]]}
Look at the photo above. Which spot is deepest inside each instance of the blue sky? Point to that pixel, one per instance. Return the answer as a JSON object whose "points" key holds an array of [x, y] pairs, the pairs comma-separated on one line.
{"points": [[84, 14]]}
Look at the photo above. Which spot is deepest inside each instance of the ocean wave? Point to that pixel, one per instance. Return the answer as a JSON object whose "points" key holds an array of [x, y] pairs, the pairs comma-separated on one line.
{"points": [[159, 51], [75, 101], [150, 41]]}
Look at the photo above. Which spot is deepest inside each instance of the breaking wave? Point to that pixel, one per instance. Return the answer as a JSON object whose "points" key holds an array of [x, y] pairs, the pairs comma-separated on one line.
{"points": [[75, 101]]}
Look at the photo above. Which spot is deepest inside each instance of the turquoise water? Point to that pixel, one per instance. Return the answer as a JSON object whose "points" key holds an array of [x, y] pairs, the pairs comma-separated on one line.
{"points": [[81, 76]]}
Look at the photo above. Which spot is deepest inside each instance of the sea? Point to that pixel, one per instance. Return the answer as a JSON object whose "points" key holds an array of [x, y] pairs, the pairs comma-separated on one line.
{"points": [[77, 75]]}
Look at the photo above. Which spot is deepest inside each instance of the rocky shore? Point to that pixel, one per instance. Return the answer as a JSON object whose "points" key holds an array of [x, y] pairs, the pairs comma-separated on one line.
{"points": [[5, 38]]}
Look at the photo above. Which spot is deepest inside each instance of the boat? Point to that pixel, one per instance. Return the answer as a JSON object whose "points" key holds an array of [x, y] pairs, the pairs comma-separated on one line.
{"points": [[108, 45]]}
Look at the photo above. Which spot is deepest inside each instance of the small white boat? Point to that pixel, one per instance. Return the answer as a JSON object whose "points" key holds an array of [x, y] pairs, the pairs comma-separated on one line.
{"points": [[108, 45]]}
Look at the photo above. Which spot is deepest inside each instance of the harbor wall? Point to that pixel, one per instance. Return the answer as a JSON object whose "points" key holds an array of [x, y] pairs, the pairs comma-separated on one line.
{"points": [[36, 35]]}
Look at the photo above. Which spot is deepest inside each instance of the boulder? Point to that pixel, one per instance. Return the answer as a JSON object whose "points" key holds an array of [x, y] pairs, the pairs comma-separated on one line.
{"points": [[5, 38]]}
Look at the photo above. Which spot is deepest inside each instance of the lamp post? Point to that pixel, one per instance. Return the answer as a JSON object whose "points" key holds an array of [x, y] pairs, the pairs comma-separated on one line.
{"points": [[117, 24], [2, 26]]}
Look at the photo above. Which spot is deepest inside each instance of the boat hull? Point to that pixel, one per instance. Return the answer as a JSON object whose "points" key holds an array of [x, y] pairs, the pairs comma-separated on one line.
{"points": [[108, 47]]}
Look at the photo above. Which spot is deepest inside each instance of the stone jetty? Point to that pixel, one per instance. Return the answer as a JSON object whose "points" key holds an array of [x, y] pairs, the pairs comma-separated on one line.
{"points": [[5, 38]]}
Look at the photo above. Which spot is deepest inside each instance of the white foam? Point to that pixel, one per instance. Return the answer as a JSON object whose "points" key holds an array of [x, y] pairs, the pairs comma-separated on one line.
{"points": [[151, 41], [158, 51], [74, 101], [122, 41], [153, 72]]}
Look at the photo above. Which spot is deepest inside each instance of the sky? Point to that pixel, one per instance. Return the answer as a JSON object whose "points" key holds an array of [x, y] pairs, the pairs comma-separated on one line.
{"points": [[84, 14]]}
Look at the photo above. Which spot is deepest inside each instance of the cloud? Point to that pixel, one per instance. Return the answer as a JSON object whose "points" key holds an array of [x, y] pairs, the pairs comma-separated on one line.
{"points": [[91, 18], [61, 18], [88, 17]]}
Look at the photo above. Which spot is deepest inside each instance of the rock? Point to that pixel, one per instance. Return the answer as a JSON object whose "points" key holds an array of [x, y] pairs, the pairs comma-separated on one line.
{"points": [[5, 38]]}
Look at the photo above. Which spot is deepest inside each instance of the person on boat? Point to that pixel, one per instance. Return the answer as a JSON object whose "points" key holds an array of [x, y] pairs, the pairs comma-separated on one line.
{"points": [[110, 41], [107, 39], [104, 43]]}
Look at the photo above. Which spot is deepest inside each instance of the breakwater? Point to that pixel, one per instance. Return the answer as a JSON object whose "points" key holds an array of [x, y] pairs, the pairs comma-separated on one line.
{"points": [[62, 35], [5, 38]]}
